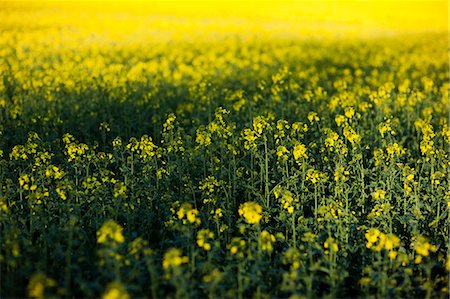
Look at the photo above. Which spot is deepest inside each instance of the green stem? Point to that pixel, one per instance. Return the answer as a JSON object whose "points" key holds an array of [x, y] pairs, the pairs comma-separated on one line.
{"points": [[266, 172]]}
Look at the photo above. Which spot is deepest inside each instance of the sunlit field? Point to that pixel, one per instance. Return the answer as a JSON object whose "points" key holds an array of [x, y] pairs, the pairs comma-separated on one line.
{"points": [[228, 149]]}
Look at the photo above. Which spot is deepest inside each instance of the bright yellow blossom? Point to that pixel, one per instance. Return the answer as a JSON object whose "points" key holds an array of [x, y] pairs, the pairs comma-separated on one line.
{"points": [[110, 231], [266, 241], [115, 290], [174, 258], [251, 211], [204, 237]]}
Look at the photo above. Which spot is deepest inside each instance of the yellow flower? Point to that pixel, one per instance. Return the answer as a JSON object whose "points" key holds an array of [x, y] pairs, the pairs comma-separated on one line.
{"points": [[331, 244], [384, 241], [237, 247], [313, 117], [385, 127], [339, 119], [292, 256], [61, 193], [168, 124], [422, 246], [110, 231], [287, 199], [332, 138], [349, 112], [340, 174], [251, 211], [38, 283], [418, 259], [214, 277], [187, 212], [395, 150], [351, 135], [372, 236], [299, 152], [249, 137], [281, 152], [266, 240], [144, 148], [174, 258], [191, 215], [115, 290], [203, 236], [392, 255], [315, 176], [260, 124], [379, 194], [217, 213], [391, 241], [365, 281]]}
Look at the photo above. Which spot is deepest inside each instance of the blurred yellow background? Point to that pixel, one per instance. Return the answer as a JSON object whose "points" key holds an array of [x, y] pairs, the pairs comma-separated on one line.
{"points": [[86, 22]]}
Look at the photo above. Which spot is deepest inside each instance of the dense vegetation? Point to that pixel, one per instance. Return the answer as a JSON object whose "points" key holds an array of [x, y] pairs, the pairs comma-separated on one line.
{"points": [[271, 167]]}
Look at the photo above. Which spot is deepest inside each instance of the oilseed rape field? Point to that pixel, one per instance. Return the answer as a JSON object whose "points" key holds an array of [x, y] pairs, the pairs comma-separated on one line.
{"points": [[228, 149]]}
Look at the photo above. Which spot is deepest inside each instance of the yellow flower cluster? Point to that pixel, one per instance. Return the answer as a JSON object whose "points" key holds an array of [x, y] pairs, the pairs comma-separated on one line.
{"points": [[144, 148], [27, 182], [299, 127], [379, 194], [22, 152], [377, 240], [299, 152], [110, 231], [281, 127], [168, 124], [349, 112], [334, 143], [119, 189], [251, 211], [330, 244], [438, 177], [340, 119], [209, 185], [266, 241], [423, 247], [214, 277], [237, 247], [260, 123], [218, 126], [204, 237], [187, 213], [38, 283], [75, 151], [174, 258], [427, 143], [313, 117], [203, 136], [292, 257], [351, 135], [385, 127], [54, 172], [395, 149], [217, 213], [340, 174], [115, 290], [249, 137], [282, 153], [315, 176], [287, 199], [330, 211]]}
